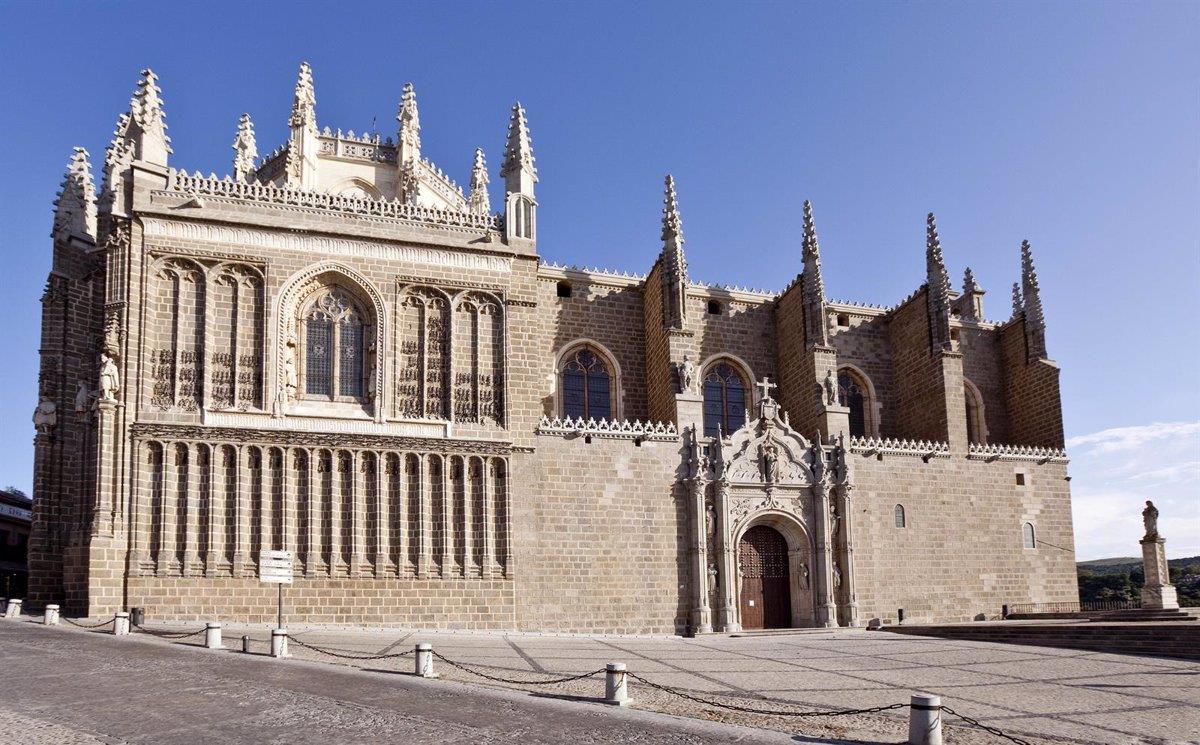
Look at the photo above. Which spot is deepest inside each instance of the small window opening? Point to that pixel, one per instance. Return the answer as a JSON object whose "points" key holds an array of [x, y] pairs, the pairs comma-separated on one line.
{"points": [[843, 320], [714, 308], [564, 289], [898, 512], [1028, 537], [953, 334], [1020, 479]]}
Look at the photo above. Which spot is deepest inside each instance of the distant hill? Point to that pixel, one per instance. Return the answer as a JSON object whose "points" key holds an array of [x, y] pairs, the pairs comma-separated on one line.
{"points": [[1121, 564]]}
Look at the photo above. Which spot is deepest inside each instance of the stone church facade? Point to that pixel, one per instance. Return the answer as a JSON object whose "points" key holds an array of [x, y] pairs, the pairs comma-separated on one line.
{"points": [[337, 351]]}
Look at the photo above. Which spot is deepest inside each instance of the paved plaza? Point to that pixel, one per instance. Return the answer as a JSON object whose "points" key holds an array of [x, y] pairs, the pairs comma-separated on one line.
{"points": [[1037, 694]]}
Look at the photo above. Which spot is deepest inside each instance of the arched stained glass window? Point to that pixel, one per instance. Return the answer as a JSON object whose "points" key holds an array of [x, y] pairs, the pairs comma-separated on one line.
{"points": [[852, 395], [724, 400], [586, 386], [334, 347]]}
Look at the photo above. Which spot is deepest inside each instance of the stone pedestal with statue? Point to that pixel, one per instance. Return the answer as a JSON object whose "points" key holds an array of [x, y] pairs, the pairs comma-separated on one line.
{"points": [[1157, 592]]}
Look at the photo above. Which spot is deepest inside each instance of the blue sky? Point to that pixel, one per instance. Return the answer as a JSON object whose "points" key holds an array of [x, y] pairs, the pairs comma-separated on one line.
{"points": [[1075, 125]]}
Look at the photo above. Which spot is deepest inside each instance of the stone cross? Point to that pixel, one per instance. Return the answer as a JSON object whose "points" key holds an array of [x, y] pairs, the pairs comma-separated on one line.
{"points": [[765, 387]]}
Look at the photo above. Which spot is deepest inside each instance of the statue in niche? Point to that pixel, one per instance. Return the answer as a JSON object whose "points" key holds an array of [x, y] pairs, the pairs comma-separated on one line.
{"points": [[45, 416], [686, 371], [83, 397], [713, 584], [831, 388], [291, 380], [110, 379], [769, 452], [1150, 519], [372, 358], [834, 519], [710, 522], [804, 574], [837, 577]]}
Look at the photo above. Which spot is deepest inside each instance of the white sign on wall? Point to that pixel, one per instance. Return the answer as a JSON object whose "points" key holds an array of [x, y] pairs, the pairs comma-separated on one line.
{"points": [[275, 567]]}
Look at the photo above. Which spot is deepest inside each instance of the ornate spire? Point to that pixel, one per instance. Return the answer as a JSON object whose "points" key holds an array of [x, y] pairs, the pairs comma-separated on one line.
{"points": [[410, 125], [519, 171], [1035, 320], [672, 223], [478, 201], [970, 305], [812, 284], [75, 205], [674, 276], [937, 280], [304, 101], [935, 265], [245, 150], [969, 284], [1018, 305], [117, 158], [149, 123]]}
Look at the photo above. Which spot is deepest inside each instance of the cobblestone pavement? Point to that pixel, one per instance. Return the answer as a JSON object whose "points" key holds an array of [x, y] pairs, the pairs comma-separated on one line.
{"points": [[1041, 695]]}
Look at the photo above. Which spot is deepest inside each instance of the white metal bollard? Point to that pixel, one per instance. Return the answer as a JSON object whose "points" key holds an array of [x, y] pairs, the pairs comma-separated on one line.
{"points": [[616, 684], [212, 635], [50, 618], [424, 660], [279, 645], [121, 623], [925, 720], [13, 609]]}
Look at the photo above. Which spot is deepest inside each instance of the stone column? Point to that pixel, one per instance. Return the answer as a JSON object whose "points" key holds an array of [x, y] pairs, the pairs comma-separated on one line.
{"points": [[447, 526], [382, 547], [824, 609], [701, 612], [337, 497], [287, 503], [487, 473], [1158, 593], [241, 536], [169, 496], [191, 534], [358, 462], [849, 599], [105, 516], [425, 519], [469, 485], [728, 617]]}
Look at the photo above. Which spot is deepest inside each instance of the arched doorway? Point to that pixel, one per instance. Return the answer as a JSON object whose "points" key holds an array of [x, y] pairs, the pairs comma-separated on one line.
{"points": [[763, 565]]}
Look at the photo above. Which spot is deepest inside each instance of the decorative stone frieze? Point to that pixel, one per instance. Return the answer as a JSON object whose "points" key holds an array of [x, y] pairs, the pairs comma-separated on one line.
{"points": [[892, 446], [621, 430], [999, 451]]}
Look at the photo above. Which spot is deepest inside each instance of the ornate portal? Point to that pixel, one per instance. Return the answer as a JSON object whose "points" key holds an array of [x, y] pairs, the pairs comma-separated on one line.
{"points": [[766, 477]]}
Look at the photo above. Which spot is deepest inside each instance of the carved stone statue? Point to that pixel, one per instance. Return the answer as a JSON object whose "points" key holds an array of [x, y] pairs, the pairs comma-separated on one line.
{"points": [[1150, 519], [291, 379], [804, 573], [686, 371], [45, 416], [770, 461], [713, 585], [110, 379], [831, 388], [710, 523], [837, 577], [372, 360], [83, 396]]}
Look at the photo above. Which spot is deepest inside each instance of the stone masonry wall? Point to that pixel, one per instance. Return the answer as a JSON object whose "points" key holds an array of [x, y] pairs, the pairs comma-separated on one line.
{"points": [[960, 553], [920, 411], [1031, 392], [600, 537]]}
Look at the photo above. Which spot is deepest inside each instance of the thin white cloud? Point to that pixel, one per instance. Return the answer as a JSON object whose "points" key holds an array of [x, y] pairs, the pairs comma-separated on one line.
{"points": [[1116, 470], [1131, 438]]}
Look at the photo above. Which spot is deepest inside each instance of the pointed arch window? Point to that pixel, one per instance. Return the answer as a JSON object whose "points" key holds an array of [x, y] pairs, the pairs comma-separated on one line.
{"points": [[854, 394], [724, 400], [976, 424], [586, 385], [899, 516], [334, 347], [1028, 536]]}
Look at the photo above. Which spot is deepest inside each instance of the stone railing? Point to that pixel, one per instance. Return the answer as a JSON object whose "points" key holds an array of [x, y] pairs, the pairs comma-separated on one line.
{"points": [[998, 451], [890, 446], [622, 430], [200, 185]]}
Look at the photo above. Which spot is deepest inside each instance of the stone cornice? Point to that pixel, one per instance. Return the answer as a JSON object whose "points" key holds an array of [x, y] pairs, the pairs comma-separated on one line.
{"points": [[995, 452], [622, 430], [921, 448], [335, 441]]}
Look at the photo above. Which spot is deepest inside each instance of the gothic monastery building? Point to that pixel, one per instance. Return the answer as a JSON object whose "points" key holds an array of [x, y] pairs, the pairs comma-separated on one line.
{"points": [[337, 351]]}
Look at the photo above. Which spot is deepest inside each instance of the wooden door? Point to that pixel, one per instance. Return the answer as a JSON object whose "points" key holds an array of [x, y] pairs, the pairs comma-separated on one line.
{"points": [[766, 601]]}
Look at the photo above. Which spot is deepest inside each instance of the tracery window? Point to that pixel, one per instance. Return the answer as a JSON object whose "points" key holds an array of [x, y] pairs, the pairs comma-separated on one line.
{"points": [[852, 393], [586, 385], [334, 347], [724, 400]]}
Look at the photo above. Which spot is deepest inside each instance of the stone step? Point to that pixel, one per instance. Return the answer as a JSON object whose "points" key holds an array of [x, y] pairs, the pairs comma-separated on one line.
{"points": [[1152, 639]]}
